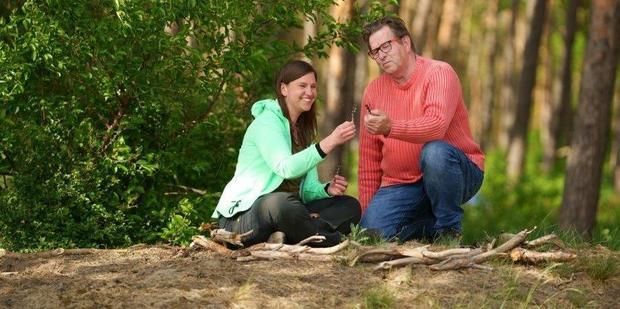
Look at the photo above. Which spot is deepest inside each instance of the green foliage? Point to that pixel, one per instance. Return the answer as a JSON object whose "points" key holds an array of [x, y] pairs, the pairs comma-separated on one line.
{"points": [[106, 119], [505, 206], [362, 236]]}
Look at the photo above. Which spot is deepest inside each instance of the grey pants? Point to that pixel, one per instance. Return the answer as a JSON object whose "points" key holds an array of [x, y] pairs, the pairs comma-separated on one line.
{"points": [[284, 211]]}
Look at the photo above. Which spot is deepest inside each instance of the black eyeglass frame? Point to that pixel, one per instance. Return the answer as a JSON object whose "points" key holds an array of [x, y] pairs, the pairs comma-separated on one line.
{"points": [[384, 47]]}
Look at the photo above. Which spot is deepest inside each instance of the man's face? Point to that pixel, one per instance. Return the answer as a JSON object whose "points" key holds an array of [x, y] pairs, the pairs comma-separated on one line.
{"points": [[393, 60]]}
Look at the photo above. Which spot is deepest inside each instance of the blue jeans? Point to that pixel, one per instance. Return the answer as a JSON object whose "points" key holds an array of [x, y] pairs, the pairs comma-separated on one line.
{"points": [[426, 208]]}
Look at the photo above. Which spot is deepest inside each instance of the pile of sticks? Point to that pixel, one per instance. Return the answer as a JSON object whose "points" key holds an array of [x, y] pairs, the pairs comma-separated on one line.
{"points": [[516, 247]]}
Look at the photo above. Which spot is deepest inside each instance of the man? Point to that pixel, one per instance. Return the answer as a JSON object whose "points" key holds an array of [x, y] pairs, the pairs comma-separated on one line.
{"points": [[418, 161]]}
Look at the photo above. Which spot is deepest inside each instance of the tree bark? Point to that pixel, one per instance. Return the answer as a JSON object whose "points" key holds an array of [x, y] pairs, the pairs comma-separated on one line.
{"points": [[488, 77], [592, 124], [508, 79], [432, 28], [448, 32], [615, 153], [340, 79], [420, 24], [518, 137], [561, 117]]}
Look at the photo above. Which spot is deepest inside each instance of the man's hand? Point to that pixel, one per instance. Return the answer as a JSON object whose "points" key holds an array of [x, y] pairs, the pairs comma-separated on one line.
{"points": [[337, 186], [377, 122]]}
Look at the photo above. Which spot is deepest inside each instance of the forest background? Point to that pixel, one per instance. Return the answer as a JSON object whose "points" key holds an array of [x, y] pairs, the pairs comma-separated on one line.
{"points": [[120, 121]]}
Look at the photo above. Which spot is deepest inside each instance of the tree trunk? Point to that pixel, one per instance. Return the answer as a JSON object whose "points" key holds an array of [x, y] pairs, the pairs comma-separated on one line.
{"points": [[432, 28], [420, 24], [518, 137], [615, 149], [406, 10], [340, 78], [549, 79], [448, 32], [508, 79], [488, 77], [562, 115], [592, 124]]}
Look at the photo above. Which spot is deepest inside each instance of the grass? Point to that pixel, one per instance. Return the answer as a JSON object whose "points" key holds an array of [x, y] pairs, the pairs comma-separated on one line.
{"points": [[599, 267], [378, 298], [364, 237]]}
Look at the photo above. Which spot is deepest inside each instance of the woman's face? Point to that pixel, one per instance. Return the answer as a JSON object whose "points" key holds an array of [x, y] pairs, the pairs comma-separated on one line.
{"points": [[299, 94]]}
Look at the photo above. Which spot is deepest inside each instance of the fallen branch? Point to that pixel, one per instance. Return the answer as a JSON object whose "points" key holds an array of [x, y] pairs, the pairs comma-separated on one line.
{"points": [[312, 239], [547, 239], [446, 253], [295, 256], [211, 245], [404, 262], [224, 236], [534, 257]]}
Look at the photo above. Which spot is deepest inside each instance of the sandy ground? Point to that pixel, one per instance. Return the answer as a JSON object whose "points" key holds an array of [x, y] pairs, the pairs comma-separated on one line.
{"points": [[160, 277]]}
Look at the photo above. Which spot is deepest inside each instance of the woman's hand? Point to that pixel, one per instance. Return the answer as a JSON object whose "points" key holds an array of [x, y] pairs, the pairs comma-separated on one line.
{"points": [[337, 186], [341, 134]]}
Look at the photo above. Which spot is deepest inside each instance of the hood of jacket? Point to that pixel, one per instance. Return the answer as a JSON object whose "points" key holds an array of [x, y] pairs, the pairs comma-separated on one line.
{"points": [[268, 105]]}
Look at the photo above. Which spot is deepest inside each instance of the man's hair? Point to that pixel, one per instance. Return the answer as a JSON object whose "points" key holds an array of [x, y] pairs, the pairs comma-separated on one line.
{"points": [[396, 24]]}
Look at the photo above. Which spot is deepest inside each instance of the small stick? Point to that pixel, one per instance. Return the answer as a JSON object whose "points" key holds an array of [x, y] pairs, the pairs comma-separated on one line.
{"points": [[353, 112], [313, 238], [369, 111]]}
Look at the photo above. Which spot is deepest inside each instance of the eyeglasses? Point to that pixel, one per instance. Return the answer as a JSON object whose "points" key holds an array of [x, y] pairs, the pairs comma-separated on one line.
{"points": [[385, 47]]}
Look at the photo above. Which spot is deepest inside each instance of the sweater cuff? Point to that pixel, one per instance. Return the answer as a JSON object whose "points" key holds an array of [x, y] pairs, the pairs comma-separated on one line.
{"points": [[321, 152]]}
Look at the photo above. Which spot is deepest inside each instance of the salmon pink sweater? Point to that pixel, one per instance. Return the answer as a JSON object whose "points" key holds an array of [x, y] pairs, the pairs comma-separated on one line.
{"points": [[428, 107]]}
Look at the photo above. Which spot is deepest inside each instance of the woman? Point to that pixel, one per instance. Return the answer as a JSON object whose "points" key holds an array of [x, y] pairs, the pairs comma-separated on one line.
{"points": [[276, 185]]}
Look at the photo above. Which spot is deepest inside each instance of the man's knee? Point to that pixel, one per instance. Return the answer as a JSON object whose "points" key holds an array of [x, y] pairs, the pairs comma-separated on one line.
{"points": [[435, 155]]}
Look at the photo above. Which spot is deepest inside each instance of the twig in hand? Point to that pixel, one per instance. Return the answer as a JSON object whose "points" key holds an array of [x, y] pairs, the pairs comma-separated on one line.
{"points": [[353, 112]]}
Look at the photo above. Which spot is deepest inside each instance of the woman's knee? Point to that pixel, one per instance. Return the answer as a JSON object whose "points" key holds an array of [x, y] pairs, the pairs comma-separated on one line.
{"points": [[352, 207], [281, 206]]}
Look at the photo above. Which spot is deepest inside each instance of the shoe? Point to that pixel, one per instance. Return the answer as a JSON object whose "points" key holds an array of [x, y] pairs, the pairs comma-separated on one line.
{"points": [[276, 237]]}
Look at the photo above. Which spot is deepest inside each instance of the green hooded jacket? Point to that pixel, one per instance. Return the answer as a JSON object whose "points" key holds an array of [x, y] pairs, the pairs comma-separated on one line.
{"points": [[266, 159]]}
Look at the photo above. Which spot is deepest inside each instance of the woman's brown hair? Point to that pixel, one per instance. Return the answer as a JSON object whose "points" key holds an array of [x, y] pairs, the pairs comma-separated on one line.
{"points": [[306, 123]]}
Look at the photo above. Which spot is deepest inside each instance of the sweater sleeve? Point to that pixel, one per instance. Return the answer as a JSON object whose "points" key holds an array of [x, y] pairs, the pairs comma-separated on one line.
{"points": [[273, 143], [443, 92], [369, 167]]}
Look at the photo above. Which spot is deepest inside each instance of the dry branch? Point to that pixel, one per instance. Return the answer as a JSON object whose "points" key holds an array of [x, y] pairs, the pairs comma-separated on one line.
{"points": [[528, 256], [378, 254], [405, 261], [454, 258], [312, 239], [295, 256], [547, 239], [446, 253], [224, 236], [211, 245]]}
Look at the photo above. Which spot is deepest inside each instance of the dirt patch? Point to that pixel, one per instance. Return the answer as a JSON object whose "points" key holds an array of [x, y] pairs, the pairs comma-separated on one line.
{"points": [[158, 276]]}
